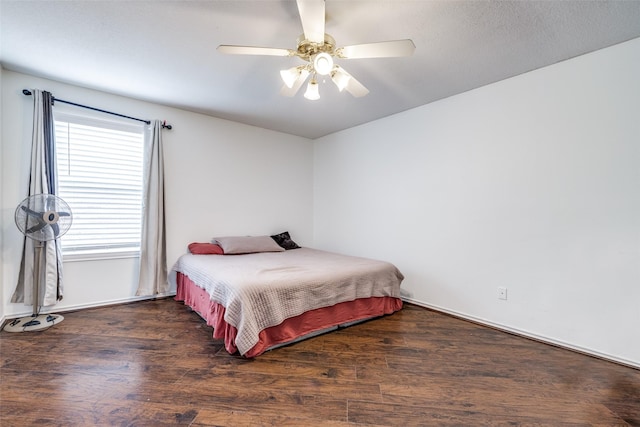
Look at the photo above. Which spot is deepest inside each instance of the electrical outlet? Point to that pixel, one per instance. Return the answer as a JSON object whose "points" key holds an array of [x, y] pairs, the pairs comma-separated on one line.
{"points": [[502, 293]]}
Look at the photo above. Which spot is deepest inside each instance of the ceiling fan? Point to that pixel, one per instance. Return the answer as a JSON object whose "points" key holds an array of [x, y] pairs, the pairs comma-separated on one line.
{"points": [[318, 50]]}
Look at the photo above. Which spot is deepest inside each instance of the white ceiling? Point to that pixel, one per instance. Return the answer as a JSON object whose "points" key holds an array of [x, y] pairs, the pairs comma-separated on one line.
{"points": [[165, 51]]}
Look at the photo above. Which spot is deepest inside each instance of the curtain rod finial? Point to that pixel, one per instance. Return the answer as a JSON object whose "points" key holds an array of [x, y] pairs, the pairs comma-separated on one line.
{"points": [[26, 91]]}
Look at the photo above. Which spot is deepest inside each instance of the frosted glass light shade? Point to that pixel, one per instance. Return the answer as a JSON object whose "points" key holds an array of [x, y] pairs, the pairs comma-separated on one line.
{"points": [[312, 92], [340, 78], [290, 76], [323, 63]]}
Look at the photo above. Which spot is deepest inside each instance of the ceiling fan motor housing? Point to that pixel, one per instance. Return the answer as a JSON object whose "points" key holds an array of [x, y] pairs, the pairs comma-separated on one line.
{"points": [[308, 49]]}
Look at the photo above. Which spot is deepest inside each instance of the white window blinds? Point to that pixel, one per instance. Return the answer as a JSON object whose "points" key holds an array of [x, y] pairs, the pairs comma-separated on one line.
{"points": [[100, 177]]}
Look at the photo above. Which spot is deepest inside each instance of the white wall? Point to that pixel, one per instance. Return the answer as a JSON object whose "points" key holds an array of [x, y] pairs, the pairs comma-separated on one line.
{"points": [[1, 209], [532, 183], [222, 178]]}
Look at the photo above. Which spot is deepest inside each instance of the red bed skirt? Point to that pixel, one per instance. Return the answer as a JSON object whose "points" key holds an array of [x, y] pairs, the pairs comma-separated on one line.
{"points": [[290, 329]]}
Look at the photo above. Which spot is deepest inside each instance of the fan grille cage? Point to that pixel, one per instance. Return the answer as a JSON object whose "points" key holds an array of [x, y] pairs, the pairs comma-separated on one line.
{"points": [[43, 217]]}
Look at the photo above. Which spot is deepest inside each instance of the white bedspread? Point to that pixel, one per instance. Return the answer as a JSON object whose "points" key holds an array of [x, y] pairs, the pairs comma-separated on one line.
{"points": [[261, 290]]}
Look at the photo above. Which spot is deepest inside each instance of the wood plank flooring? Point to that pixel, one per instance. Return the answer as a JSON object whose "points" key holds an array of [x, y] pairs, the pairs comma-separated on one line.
{"points": [[154, 363]]}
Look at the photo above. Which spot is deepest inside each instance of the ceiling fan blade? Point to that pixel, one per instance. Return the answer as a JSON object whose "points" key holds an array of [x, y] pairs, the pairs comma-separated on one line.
{"points": [[354, 87], [291, 91], [312, 17], [254, 50], [388, 49]]}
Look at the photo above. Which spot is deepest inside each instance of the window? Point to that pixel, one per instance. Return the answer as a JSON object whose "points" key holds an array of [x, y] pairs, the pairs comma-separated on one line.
{"points": [[100, 177]]}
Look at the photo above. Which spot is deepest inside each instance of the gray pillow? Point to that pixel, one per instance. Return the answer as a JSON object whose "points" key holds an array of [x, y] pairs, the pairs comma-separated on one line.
{"points": [[247, 244]]}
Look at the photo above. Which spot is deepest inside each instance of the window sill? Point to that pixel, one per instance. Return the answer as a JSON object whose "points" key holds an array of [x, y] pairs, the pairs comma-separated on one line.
{"points": [[99, 254]]}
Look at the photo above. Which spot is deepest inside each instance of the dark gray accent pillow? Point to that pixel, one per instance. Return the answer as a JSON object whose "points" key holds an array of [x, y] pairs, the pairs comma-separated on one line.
{"points": [[284, 240]]}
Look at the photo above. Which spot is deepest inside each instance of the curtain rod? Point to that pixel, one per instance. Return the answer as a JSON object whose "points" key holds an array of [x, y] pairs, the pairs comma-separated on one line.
{"points": [[164, 125]]}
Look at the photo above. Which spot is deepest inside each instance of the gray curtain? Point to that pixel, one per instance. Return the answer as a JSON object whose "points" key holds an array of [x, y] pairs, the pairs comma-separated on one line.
{"points": [[153, 256], [42, 180]]}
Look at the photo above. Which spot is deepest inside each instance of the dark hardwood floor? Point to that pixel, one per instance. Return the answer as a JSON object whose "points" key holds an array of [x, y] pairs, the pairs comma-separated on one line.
{"points": [[154, 363]]}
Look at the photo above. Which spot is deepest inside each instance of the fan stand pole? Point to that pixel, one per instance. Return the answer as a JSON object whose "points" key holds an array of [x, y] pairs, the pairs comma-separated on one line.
{"points": [[37, 276], [35, 322]]}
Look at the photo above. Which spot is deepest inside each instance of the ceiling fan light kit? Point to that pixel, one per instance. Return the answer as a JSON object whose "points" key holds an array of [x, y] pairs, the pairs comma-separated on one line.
{"points": [[318, 50]]}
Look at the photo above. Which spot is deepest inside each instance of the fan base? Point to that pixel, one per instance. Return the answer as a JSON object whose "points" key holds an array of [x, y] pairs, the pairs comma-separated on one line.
{"points": [[33, 323]]}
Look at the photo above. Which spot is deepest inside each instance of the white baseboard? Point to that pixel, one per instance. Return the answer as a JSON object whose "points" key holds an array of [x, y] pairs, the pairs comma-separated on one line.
{"points": [[526, 334], [53, 309]]}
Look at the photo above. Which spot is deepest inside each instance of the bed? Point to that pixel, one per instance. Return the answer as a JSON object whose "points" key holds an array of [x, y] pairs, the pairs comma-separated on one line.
{"points": [[259, 301]]}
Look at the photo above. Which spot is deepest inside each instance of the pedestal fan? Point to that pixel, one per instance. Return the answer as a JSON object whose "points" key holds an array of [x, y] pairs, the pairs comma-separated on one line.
{"points": [[42, 218]]}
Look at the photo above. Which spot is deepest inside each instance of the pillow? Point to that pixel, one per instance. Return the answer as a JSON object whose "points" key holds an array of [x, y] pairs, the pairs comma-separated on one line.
{"points": [[247, 244], [284, 240], [205, 249]]}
